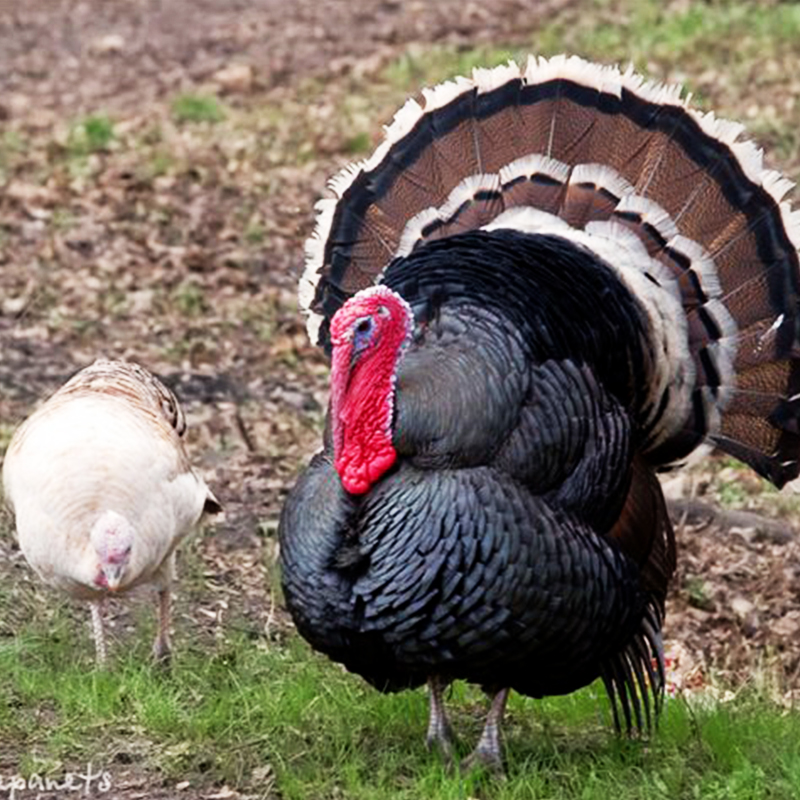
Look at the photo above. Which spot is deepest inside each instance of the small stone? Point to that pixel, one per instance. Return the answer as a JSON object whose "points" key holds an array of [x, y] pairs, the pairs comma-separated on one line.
{"points": [[110, 44], [741, 606], [18, 104], [11, 306], [223, 794], [235, 78]]}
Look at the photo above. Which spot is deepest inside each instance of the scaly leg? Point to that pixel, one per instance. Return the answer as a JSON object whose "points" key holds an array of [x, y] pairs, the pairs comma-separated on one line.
{"points": [[98, 630], [440, 734], [162, 649], [487, 751]]}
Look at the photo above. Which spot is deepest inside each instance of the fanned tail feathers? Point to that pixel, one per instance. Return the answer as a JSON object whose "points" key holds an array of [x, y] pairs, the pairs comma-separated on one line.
{"points": [[683, 211]]}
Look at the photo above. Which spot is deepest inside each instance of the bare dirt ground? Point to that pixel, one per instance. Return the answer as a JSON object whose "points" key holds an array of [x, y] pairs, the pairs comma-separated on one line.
{"points": [[72, 54], [190, 268]]}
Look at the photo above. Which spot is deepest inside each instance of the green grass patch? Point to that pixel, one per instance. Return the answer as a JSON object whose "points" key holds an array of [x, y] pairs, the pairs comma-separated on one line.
{"points": [[683, 35], [189, 299], [92, 134], [197, 108], [267, 718], [255, 233], [359, 144], [12, 151], [680, 36]]}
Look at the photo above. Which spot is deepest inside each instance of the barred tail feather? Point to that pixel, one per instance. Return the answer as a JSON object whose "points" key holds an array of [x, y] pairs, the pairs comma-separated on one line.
{"points": [[613, 158]]}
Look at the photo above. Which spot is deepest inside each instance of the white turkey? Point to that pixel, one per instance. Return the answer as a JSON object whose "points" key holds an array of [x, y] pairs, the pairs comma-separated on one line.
{"points": [[102, 490], [545, 285]]}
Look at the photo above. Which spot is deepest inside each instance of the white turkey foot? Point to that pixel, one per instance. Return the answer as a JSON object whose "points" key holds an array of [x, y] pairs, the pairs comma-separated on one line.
{"points": [[487, 752], [162, 649], [440, 734], [98, 631]]}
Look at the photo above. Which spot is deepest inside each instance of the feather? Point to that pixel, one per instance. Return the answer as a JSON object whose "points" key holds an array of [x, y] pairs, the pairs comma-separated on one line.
{"points": [[602, 282], [589, 145], [102, 489]]}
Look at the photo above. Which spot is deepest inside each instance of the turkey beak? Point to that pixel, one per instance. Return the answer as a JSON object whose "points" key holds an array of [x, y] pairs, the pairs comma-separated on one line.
{"points": [[113, 573]]}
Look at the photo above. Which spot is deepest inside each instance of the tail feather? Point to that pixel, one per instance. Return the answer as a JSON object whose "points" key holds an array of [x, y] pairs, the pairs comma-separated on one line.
{"points": [[635, 679], [601, 157]]}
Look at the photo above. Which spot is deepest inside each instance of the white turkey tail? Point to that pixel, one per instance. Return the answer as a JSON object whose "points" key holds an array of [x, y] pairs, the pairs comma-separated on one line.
{"points": [[682, 210]]}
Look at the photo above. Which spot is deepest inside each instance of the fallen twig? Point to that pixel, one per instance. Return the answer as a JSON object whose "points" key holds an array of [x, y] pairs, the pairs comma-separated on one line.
{"points": [[690, 511]]}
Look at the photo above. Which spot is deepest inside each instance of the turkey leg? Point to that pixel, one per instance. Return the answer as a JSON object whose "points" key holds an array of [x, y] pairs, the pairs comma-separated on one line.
{"points": [[487, 751], [98, 630], [440, 734], [161, 646]]}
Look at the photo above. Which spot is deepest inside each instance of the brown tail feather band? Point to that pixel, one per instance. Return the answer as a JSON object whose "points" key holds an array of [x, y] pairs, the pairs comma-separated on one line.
{"points": [[591, 145]]}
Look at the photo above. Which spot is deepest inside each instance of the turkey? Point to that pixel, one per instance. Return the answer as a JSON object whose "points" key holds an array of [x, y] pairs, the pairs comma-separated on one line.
{"points": [[547, 284], [102, 490]]}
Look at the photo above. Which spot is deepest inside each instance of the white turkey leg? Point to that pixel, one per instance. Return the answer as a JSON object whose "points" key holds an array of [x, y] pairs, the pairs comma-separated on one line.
{"points": [[98, 630], [162, 648]]}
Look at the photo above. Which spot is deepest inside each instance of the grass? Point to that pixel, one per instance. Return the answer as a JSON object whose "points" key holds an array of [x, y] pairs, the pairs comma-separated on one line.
{"points": [[418, 67], [281, 721], [682, 35], [12, 149], [273, 719], [92, 134], [189, 299], [197, 108]]}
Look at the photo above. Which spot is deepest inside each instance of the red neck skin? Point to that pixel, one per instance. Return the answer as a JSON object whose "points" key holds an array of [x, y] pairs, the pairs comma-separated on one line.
{"points": [[362, 401]]}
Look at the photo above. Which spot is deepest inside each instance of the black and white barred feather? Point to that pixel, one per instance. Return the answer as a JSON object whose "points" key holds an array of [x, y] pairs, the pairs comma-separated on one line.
{"points": [[670, 198]]}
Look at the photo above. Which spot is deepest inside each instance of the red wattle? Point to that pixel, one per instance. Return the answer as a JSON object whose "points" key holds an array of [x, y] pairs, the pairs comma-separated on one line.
{"points": [[358, 476], [362, 386]]}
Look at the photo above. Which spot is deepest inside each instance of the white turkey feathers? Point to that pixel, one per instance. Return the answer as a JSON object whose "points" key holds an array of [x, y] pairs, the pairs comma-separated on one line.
{"points": [[102, 490]]}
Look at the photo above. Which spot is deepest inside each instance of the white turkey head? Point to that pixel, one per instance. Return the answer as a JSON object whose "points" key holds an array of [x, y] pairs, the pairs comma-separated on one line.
{"points": [[112, 537]]}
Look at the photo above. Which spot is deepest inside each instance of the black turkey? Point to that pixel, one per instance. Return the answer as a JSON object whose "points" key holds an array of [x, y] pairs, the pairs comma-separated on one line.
{"points": [[544, 286]]}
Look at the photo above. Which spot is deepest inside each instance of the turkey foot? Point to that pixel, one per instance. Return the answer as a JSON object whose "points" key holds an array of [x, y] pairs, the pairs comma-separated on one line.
{"points": [[440, 734], [162, 650], [487, 752]]}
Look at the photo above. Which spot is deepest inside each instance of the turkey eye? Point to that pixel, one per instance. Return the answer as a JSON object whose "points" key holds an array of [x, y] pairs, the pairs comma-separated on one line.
{"points": [[363, 330]]}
